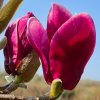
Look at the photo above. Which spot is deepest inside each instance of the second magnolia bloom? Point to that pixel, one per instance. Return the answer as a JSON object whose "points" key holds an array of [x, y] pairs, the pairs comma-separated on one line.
{"points": [[20, 57]]}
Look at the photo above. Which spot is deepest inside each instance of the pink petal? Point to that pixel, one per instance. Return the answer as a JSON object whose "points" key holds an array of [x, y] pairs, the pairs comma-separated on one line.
{"points": [[38, 39], [70, 49], [23, 23], [23, 44], [11, 49], [57, 16]]}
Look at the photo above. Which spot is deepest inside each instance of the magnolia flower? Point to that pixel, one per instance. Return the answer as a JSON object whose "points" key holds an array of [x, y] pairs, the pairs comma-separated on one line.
{"points": [[71, 46], [20, 59], [65, 48]]}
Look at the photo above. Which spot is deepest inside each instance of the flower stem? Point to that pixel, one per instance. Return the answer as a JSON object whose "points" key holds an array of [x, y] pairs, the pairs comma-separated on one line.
{"points": [[7, 12]]}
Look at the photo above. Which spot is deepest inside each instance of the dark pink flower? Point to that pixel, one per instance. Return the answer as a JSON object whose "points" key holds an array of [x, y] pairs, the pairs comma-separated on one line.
{"points": [[70, 45], [18, 46]]}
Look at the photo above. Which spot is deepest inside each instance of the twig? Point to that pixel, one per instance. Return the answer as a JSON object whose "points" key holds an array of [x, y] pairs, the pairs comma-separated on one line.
{"points": [[10, 97], [13, 97]]}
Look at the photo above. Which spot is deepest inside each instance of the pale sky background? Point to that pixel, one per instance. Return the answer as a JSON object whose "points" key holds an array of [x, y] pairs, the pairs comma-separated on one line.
{"points": [[40, 8]]}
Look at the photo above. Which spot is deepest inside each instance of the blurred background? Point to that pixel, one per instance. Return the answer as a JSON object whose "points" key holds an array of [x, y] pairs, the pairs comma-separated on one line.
{"points": [[89, 86]]}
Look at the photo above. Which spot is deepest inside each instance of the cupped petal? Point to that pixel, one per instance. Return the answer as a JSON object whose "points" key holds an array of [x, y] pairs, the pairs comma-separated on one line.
{"points": [[70, 49], [38, 39], [24, 47], [57, 16], [23, 23], [11, 49]]}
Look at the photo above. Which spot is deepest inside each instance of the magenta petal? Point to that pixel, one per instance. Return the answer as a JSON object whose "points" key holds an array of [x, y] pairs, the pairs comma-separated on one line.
{"points": [[11, 49], [23, 44], [57, 16], [70, 49], [23, 23], [39, 41]]}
